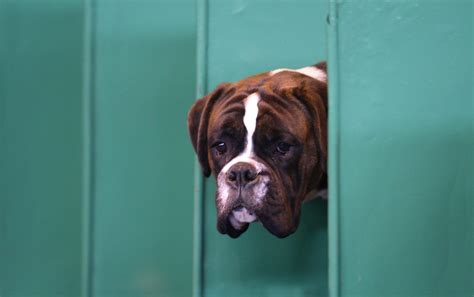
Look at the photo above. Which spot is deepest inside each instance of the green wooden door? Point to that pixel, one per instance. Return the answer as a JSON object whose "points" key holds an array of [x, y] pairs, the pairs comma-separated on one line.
{"points": [[401, 79], [142, 82]]}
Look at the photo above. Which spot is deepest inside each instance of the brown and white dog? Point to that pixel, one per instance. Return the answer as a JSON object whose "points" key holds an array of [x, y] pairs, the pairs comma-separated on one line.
{"points": [[264, 138]]}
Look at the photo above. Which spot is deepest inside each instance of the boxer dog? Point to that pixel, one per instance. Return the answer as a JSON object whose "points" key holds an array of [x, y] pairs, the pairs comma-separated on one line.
{"points": [[264, 138]]}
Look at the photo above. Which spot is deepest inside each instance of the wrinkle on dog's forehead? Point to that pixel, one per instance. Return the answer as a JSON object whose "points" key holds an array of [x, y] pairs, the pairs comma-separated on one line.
{"points": [[273, 112]]}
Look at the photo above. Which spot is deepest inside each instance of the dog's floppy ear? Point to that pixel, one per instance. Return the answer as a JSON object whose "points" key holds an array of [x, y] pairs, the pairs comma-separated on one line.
{"points": [[315, 92], [198, 121], [321, 123]]}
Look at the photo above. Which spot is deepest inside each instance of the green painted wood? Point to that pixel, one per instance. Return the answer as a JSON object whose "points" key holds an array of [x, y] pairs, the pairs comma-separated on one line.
{"points": [[88, 148], [244, 38], [96, 166], [199, 184], [333, 148], [406, 132], [40, 148], [144, 83]]}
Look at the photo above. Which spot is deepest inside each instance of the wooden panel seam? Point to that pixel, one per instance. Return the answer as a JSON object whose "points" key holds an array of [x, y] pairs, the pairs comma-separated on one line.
{"points": [[88, 149], [201, 89], [334, 142]]}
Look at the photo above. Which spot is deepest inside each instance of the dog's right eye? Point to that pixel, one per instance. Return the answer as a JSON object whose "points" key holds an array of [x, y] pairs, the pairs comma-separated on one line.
{"points": [[283, 148], [220, 147]]}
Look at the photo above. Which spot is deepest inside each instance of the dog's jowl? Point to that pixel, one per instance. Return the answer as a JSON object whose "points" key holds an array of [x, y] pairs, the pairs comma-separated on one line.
{"points": [[264, 139]]}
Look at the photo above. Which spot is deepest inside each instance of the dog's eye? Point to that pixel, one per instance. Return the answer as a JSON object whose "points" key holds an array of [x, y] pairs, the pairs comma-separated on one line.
{"points": [[283, 147], [220, 147]]}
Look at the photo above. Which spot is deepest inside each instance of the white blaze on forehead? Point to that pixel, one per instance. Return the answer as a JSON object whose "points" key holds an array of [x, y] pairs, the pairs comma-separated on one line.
{"points": [[310, 71], [250, 123], [250, 119]]}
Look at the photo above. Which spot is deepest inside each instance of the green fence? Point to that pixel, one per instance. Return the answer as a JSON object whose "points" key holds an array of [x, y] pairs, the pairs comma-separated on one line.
{"points": [[99, 194]]}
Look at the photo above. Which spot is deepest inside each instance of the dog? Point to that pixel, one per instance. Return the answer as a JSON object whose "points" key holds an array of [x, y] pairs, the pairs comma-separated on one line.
{"points": [[264, 138]]}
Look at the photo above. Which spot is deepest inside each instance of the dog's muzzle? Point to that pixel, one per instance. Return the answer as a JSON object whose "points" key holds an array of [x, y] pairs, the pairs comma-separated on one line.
{"points": [[242, 188]]}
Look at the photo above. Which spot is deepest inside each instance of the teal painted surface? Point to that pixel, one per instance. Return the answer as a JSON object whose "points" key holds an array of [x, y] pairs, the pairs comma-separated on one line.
{"points": [[244, 38], [405, 95], [40, 148], [135, 237], [405, 99], [144, 82]]}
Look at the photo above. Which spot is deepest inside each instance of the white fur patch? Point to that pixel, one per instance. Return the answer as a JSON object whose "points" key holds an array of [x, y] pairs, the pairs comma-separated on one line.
{"points": [[323, 194], [235, 223], [250, 119], [313, 194], [238, 218], [310, 71], [243, 215]]}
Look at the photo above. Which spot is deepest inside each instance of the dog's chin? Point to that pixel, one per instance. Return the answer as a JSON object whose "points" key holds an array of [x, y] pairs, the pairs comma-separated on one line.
{"points": [[236, 221], [280, 226]]}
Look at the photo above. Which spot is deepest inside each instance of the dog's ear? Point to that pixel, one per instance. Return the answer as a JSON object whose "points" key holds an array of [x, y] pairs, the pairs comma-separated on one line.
{"points": [[198, 121], [315, 94]]}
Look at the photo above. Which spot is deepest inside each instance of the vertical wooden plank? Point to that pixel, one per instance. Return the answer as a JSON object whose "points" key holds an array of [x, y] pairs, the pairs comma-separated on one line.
{"points": [[201, 90], [41, 148], [143, 177], [406, 148], [334, 150], [88, 148]]}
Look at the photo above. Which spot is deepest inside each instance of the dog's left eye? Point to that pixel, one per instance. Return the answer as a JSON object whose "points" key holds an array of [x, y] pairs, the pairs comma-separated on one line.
{"points": [[283, 147], [220, 147]]}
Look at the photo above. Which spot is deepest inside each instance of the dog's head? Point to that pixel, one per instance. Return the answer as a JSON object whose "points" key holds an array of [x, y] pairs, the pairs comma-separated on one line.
{"points": [[264, 138]]}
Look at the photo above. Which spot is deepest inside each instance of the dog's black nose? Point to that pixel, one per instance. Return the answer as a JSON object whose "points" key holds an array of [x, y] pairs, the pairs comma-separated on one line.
{"points": [[241, 174]]}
